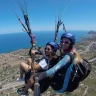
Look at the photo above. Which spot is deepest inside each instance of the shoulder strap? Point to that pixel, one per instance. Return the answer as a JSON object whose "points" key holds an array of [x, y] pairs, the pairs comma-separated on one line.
{"points": [[72, 58], [67, 75], [71, 54]]}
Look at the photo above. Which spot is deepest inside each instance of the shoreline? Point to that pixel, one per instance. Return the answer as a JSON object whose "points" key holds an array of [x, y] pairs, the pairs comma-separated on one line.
{"points": [[9, 67], [23, 42]]}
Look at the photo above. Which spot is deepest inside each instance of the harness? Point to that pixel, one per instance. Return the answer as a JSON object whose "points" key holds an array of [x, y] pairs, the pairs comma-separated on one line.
{"points": [[59, 82]]}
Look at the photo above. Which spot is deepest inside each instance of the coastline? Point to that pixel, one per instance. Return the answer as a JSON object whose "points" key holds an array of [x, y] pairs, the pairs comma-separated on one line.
{"points": [[9, 68], [10, 43]]}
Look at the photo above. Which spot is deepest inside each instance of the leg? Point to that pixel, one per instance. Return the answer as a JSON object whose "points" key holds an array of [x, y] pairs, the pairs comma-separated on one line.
{"points": [[23, 68], [29, 84], [29, 61], [24, 91]]}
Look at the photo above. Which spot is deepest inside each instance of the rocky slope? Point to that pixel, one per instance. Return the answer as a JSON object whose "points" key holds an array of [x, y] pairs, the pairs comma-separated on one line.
{"points": [[9, 70]]}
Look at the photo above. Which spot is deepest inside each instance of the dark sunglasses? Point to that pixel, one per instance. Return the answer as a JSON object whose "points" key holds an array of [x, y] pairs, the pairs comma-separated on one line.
{"points": [[65, 41], [47, 49]]}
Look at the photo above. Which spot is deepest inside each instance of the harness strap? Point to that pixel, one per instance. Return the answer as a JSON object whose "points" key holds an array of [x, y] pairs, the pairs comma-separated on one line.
{"points": [[68, 74]]}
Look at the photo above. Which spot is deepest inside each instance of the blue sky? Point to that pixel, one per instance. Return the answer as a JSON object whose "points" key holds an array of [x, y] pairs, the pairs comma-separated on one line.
{"points": [[76, 14]]}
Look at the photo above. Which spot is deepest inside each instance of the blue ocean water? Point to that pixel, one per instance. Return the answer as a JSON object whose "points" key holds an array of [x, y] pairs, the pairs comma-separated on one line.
{"points": [[14, 41]]}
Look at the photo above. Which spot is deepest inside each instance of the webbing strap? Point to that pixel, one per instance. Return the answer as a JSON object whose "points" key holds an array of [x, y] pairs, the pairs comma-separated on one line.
{"points": [[66, 79], [68, 74]]}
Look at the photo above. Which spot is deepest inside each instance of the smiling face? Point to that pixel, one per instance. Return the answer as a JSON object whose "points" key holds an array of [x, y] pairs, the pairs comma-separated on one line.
{"points": [[65, 44], [48, 50]]}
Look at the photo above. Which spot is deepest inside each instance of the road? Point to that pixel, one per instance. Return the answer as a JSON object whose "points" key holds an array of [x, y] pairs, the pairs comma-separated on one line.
{"points": [[11, 85]]}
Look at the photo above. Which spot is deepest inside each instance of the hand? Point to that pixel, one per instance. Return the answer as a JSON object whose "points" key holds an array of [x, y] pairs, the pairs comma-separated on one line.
{"points": [[33, 52], [40, 76]]}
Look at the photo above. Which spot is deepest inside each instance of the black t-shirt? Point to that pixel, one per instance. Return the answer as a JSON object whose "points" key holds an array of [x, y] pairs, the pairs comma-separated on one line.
{"points": [[54, 61]]}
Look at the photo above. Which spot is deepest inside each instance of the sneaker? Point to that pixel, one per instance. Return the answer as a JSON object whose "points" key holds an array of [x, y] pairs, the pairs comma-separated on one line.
{"points": [[20, 80], [22, 92]]}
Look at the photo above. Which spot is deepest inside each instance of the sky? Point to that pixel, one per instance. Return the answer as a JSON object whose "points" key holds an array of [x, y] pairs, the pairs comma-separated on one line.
{"points": [[75, 14]]}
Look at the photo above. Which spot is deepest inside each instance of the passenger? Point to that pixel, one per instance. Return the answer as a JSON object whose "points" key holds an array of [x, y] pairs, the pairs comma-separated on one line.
{"points": [[46, 63]]}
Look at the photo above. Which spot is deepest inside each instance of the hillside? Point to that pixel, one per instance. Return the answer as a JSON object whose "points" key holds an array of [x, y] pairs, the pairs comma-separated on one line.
{"points": [[9, 70]]}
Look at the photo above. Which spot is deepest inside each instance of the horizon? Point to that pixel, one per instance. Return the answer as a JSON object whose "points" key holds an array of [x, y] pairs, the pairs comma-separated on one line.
{"points": [[48, 31], [11, 42], [76, 15]]}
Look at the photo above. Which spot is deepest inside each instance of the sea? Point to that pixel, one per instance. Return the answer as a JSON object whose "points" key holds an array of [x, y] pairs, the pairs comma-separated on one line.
{"points": [[14, 41]]}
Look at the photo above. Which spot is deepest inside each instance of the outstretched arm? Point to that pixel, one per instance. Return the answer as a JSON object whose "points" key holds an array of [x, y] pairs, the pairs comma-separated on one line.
{"points": [[63, 63]]}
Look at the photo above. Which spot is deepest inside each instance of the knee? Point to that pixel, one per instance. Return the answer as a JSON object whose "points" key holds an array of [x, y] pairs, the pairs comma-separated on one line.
{"points": [[29, 61], [21, 64]]}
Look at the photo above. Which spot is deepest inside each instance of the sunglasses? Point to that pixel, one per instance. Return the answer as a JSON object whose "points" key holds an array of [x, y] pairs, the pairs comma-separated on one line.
{"points": [[47, 49], [65, 41]]}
